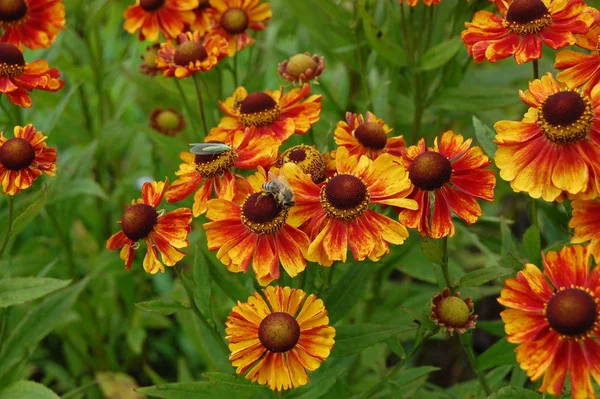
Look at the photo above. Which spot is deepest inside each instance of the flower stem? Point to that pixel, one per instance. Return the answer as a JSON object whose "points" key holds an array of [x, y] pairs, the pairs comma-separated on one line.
{"points": [[201, 103], [63, 238], [536, 69], [210, 327], [445, 270], [186, 104], [466, 342], [9, 225], [235, 69]]}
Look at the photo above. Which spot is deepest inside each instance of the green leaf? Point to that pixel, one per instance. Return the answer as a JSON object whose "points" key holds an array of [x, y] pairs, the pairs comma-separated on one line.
{"points": [[432, 251], [235, 382], [482, 276], [502, 352], [161, 306], [532, 245], [348, 290], [494, 327], [320, 383], [87, 187], [202, 282], [476, 99], [440, 54], [407, 376], [511, 392], [37, 323], [227, 283], [485, 137], [135, 339], [351, 339], [396, 346], [203, 389], [17, 290], [27, 390], [387, 49], [509, 251], [29, 213]]}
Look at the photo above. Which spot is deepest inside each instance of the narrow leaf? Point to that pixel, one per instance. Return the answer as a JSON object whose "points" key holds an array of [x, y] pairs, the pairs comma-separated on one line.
{"points": [[201, 389], [512, 392], [485, 136], [432, 251], [27, 390], [502, 352], [407, 376], [348, 291], [160, 306], [532, 245], [320, 383], [17, 290], [354, 338], [482, 276], [440, 54]]}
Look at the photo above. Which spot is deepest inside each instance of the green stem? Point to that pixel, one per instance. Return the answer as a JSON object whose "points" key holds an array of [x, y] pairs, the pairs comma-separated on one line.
{"points": [[332, 99], [536, 69], [466, 343], [186, 104], [7, 113], [533, 213], [235, 69], [445, 270], [361, 65], [63, 238], [201, 103], [210, 327], [75, 392], [11, 204]]}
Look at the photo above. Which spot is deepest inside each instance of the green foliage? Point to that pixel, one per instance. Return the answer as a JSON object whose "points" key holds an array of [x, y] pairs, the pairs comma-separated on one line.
{"points": [[27, 390], [17, 290]]}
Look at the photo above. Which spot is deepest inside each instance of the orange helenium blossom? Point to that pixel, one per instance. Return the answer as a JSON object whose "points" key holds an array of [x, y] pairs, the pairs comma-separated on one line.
{"points": [[523, 26], [579, 69], [163, 232], [168, 17], [413, 3], [554, 150], [256, 231], [213, 173], [268, 113], [192, 54], [24, 158], [586, 224], [31, 23], [553, 316], [234, 18], [278, 336], [336, 215], [205, 18], [455, 174], [18, 77], [367, 136]]}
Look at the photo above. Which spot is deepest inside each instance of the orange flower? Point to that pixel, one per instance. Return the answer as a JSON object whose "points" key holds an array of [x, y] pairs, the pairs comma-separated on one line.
{"points": [[281, 337], [33, 23], [454, 173], [336, 215], [309, 159], [208, 173], [151, 16], [163, 232], [192, 54], [18, 77], [557, 326], [554, 149], [268, 113], [149, 58], [24, 158], [256, 231], [578, 69], [205, 18], [367, 136], [586, 223], [522, 27], [413, 3], [235, 17]]}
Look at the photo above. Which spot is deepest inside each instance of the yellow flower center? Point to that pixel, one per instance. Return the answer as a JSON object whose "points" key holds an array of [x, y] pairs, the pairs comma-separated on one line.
{"points": [[235, 20], [566, 117], [300, 63], [344, 197], [168, 120], [213, 165], [572, 312], [189, 51], [138, 221], [12, 10], [263, 214], [430, 171], [151, 5], [525, 17], [11, 60], [308, 159], [453, 312], [16, 154], [279, 332], [371, 135], [258, 109]]}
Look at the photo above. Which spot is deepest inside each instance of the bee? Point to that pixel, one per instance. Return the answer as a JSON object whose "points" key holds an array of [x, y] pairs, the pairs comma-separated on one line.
{"points": [[209, 148], [279, 188], [237, 103]]}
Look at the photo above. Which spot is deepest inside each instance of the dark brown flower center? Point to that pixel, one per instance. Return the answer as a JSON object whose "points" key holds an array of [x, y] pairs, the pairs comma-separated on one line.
{"points": [[261, 208], [11, 56], [138, 221], [563, 108], [189, 51], [12, 10], [297, 155], [257, 102], [235, 20], [345, 191], [151, 5], [279, 332], [571, 311], [430, 170], [16, 154], [453, 312], [525, 11], [372, 135]]}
